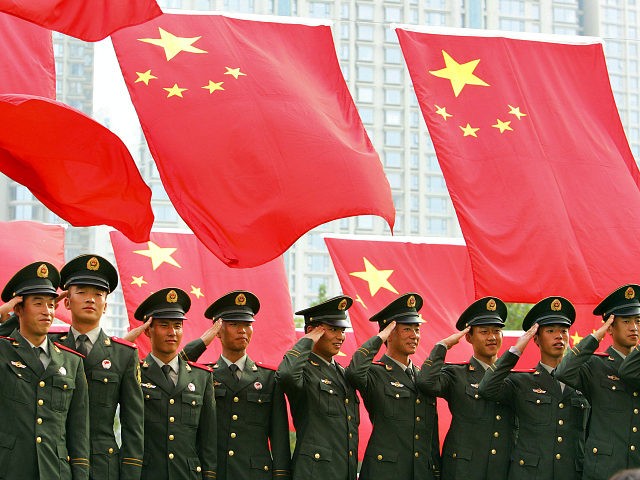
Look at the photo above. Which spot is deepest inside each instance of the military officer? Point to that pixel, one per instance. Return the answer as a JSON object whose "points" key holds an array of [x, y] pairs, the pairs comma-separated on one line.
{"points": [[478, 443], [323, 406], [613, 442], [551, 415], [179, 404], [404, 442], [112, 368], [44, 409]]}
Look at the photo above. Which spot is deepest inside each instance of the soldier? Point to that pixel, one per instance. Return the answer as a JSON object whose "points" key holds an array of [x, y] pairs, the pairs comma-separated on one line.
{"points": [[613, 442], [551, 416], [179, 405], [478, 444], [404, 442], [323, 406], [250, 405], [44, 409]]}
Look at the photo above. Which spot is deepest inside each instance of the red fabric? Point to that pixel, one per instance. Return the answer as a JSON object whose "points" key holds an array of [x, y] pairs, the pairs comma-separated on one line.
{"points": [[279, 151], [551, 206], [273, 331], [89, 20], [79, 169], [26, 61]]}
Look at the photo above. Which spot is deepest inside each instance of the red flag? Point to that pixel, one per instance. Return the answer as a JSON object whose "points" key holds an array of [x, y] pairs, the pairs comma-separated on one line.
{"points": [[535, 159], [89, 20], [254, 132], [180, 260], [79, 169], [26, 61]]}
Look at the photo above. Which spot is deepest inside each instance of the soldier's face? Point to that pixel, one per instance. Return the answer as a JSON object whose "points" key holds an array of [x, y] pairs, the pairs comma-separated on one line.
{"points": [[86, 303], [235, 335], [624, 331], [36, 314], [330, 343], [404, 339], [552, 340], [165, 335], [486, 340]]}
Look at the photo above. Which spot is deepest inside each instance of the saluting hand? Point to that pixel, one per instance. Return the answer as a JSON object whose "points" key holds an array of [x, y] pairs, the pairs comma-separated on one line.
{"points": [[134, 333], [452, 340], [211, 333], [386, 331], [524, 339], [601, 332], [315, 334], [7, 308]]}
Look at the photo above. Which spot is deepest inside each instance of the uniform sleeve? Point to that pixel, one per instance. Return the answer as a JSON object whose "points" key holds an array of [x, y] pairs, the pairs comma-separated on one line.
{"points": [[77, 427], [574, 368], [433, 379], [496, 384], [193, 350], [131, 420], [279, 435], [357, 373], [290, 373], [630, 369], [207, 440]]}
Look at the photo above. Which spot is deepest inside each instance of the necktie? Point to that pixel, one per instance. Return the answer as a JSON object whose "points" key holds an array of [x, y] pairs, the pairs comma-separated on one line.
{"points": [[37, 351], [81, 345], [166, 369], [235, 371], [409, 371]]}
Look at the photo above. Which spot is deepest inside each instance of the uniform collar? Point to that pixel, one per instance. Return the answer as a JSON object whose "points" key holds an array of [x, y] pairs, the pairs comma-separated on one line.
{"points": [[623, 356], [481, 363], [174, 364], [241, 362], [401, 365], [44, 345], [92, 335]]}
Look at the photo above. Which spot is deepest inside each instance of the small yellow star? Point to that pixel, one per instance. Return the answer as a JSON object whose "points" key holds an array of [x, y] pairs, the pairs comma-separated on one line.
{"points": [[235, 72], [376, 279], [516, 111], [443, 111], [502, 126], [459, 74], [213, 86], [145, 77], [196, 291], [159, 255], [469, 131], [360, 301], [576, 338], [175, 91], [139, 281], [174, 45]]}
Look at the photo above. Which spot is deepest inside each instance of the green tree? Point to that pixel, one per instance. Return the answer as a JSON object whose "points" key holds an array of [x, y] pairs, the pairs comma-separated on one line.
{"points": [[515, 314]]}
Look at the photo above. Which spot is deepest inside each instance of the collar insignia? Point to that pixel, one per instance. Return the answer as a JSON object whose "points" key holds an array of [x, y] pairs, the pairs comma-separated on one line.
{"points": [[145, 364], [536, 373], [56, 349], [187, 367], [315, 364], [216, 366], [388, 367], [107, 341], [610, 358], [472, 368], [254, 369]]}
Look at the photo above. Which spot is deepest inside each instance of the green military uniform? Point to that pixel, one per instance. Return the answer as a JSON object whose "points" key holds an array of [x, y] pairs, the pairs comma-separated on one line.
{"points": [[613, 440], [480, 437], [253, 426], [404, 442], [551, 421], [112, 368], [324, 407]]}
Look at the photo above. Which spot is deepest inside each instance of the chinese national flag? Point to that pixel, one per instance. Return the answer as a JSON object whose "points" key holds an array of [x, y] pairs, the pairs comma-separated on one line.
{"points": [[76, 167], [535, 159], [89, 20], [26, 61], [254, 132], [180, 260]]}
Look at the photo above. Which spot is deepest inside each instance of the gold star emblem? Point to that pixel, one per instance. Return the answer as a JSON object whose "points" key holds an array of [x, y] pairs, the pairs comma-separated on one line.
{"points": [[196, 291], [360, 301], [139, 281], [516, 111], [144, 77], [502, 126], [213, 86], [469, 131], [173, 45], [376, 279], [460, 74], [576, 338], [175, 91], [159, 255], [443, 111], [235, 72]]}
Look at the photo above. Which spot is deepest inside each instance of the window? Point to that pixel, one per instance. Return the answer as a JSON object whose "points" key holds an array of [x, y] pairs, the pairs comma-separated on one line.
{"points": [[437, 204], [365, 73], [392, 96], [366, 115], [393, 138], [318, 9], [436, 18], [395, 180], [511, 24], [365, 222], [393, 14], [314, 240], [365, 32], [317, 262], [365, 53], [393, 158], [414, 202], [392, 55], [393, 75], [365, 12], [392, 117], [344, 51], [414, 226], [436, 184], [438, 226], [365, 94]]}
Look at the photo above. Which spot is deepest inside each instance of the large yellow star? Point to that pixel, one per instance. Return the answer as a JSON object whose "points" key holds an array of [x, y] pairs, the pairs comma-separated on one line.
{"points": [[469, 131], [443, 111], [174, 45], [376, 279], [144, 77], [460, 74], [575, 338], [159, 255], [139, 281], [502, 126], [175, 91], [234, 72], [196, 291], [516, 111], [213, 86]]}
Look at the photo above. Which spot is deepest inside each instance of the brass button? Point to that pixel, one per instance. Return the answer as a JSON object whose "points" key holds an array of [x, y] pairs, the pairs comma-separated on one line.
{"points": [[496, 434], [266, 468], [561, 405], [379, 457], [147, 397], [560, 422], [559, 439], [538, 401], [558, 456], [171, 456], [521, 462], [105, 380], [198, 469], [234, 417], [39, 421], [632, 448], [417, 401], [171, 419], [498, 417], [41, 383], [193, 402], [316, 456], [330, 391], [346, 401], [417, 454], [236, 399], [493, 451], [231, 453], [417, 419], [595, 450], [110, 450], [397, 395], [634, 429], [454, 455], [635, 394], [417, 437], [38, 439], [65, 386], [171, 401], [348, 417], [476, 396], [171, 437], [351, 453], [635, 410], [40, 402], [233, 435], [350, 435], [613, 387]]}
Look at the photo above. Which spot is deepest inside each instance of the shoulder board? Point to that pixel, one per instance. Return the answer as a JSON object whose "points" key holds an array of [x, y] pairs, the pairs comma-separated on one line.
{"points": [[268, 367], [200, 366], [9, 339], [67, 349], [601, 354], [375, 362], [122, 341], [523, 370]]}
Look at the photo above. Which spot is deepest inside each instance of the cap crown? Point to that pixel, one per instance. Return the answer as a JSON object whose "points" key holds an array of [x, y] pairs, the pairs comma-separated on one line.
{"points": [[35, 278], [91, 270], [170, 303]]}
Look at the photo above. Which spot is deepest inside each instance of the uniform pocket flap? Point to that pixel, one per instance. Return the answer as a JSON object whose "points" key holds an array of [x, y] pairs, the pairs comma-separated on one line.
{"points": [[62, 451], [472, 391], [612, 384], [579, 402], [383, 456], [525, 459], [7, 441], [461, 453], [220, 392], [64, 383], [328, 387], [538, 398], [261, 462], [191, 399], [600, 448], [396, 392], [151, 393], [104, 376], [194, 464], [258, 397], [316, 452]]}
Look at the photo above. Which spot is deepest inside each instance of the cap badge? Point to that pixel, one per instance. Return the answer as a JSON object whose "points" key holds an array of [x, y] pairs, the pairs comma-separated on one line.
{"points": [[629, 293], [556, 305], [257, 386], [343, 304], [191, 387], [172, 296], [472, 368], [491, 305], [411, 301], [43, 271], [62, 371], [93, 264], [241, 299], [106, 364]]}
